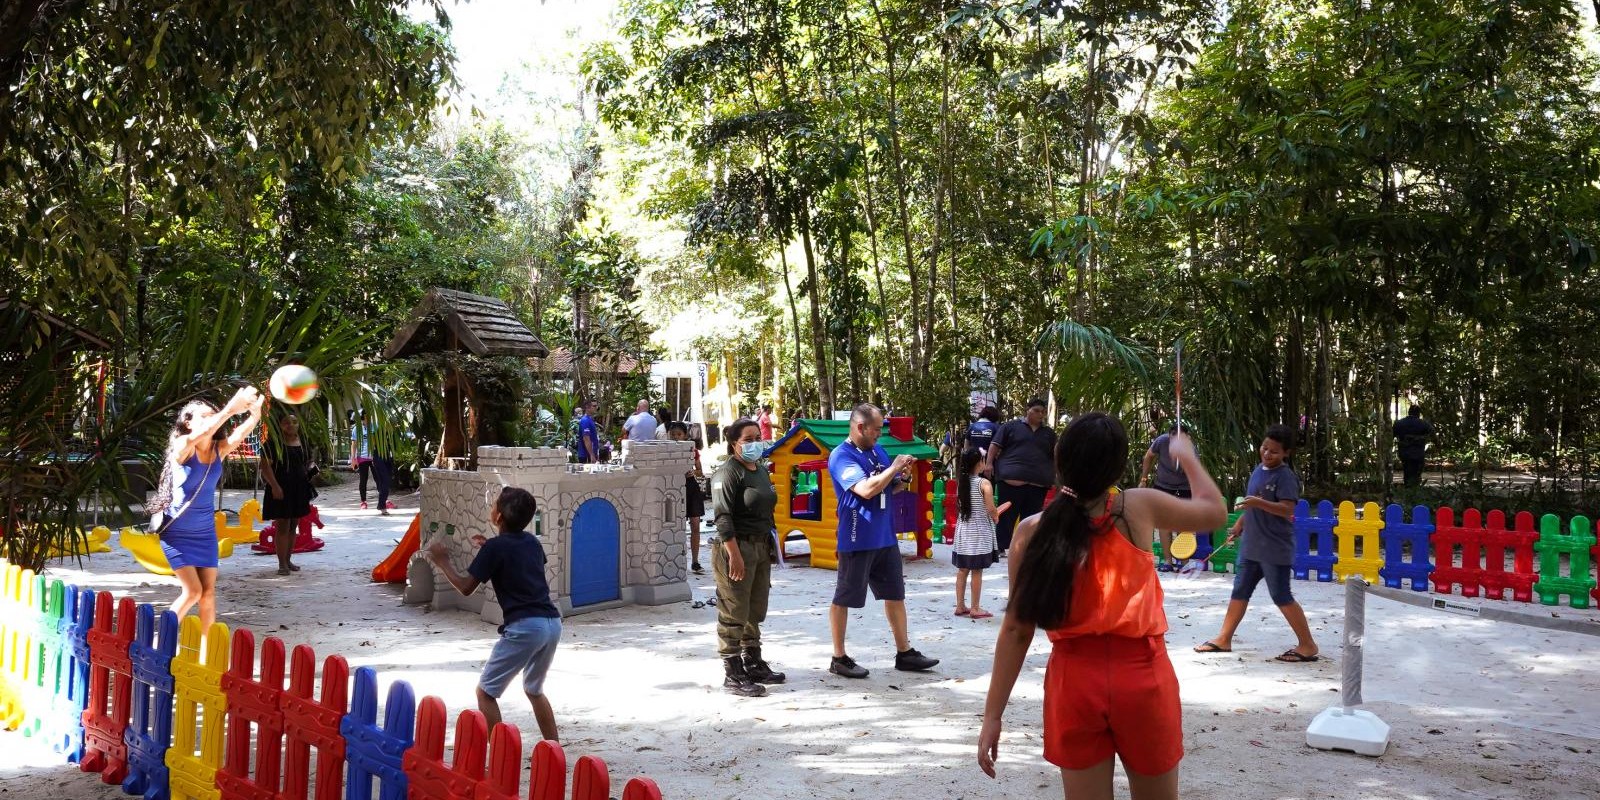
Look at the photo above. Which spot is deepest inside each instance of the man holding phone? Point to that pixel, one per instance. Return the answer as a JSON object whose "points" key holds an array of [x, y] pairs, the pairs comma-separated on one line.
{"points": [[864, 478]]}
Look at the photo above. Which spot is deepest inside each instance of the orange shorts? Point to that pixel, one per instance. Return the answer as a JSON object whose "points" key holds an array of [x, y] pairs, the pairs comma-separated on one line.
{"points": [[1112, 694]]}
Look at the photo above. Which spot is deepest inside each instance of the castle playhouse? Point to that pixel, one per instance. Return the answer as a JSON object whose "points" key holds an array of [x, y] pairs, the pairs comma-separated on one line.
{"points": [[613, 534], [807, 504]]}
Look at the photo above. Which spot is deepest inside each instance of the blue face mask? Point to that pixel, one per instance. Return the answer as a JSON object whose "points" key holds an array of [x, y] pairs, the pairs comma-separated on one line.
{"points": [[751, 451]]}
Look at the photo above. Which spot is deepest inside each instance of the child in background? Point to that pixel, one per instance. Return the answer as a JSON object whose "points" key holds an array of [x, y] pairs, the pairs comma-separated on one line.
{"points": [[694, 499], [513, 563], [1267, 549], [976, 547], [1081, 570]]}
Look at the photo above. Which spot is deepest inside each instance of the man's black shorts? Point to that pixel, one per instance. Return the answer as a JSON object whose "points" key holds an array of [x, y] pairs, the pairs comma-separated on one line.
{"points": [[879, 569]]}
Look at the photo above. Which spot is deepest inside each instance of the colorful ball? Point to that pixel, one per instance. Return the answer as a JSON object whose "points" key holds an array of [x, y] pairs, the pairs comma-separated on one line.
{"points": [[293, 384]]}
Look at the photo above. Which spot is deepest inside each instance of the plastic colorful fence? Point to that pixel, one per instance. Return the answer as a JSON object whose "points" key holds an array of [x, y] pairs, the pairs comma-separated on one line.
{"points": [[1473, 552], [127, 691]]}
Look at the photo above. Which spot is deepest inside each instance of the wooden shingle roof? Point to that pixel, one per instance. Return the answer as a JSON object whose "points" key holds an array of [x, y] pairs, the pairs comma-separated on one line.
{"points": [[561, 359], [447, 320]]}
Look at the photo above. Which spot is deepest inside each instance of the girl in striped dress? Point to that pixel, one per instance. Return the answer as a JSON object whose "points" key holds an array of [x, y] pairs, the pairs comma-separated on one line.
{"points": [[976, 544]]}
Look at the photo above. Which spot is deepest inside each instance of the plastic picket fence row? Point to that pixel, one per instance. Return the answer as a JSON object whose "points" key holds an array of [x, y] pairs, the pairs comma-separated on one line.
{"points": [[171, 712], [1478, 554]]}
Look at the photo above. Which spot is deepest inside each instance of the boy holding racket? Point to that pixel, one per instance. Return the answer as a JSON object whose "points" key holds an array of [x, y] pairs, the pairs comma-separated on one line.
{"points": [[1267, 549]]}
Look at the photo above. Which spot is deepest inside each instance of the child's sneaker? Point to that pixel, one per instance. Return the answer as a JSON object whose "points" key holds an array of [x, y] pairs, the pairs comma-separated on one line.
{"points": [[363, 505]]}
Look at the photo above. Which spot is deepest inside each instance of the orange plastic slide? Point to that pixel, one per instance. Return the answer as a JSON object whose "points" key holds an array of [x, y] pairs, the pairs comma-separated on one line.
{"points": [[393, 568]]}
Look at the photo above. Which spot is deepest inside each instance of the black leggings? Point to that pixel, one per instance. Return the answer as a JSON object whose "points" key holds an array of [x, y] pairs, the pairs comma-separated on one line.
{"points": [[1026, 500]]}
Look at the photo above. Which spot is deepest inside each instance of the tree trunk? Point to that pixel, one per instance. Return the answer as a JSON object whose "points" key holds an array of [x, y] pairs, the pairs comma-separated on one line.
{"points": [[869, 209], [794, 316], [903, 202], [819, 336]]}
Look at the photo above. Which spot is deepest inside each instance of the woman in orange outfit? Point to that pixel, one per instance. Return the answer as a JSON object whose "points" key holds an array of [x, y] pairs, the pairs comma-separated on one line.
{"points": [[1082, 570]]}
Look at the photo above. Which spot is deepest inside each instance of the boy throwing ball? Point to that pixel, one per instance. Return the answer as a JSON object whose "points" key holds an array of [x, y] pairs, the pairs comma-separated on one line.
{"points": [[513, 563]]}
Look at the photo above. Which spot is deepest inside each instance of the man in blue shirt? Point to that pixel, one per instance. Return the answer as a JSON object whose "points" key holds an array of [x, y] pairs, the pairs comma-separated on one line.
{"points": [[869, 555], [588, 435]]}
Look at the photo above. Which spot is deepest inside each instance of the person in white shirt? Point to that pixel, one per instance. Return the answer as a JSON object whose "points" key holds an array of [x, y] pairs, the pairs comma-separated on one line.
{"points": [[641, 427]]}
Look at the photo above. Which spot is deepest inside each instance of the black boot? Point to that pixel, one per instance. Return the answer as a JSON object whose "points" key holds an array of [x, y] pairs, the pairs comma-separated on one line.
{"points": [[737, 681], [757, 669]]}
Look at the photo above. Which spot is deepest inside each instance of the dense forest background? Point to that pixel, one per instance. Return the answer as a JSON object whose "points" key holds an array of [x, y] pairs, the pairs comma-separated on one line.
{"points": [[1339, 209]]}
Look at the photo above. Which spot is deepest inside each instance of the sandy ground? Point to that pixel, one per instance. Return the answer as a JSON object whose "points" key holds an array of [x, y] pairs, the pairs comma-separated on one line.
{"points": [[1479, 709]]}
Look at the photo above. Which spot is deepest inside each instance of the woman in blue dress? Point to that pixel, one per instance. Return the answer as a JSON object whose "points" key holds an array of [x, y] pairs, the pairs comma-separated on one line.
{"points": [[187, 489]]}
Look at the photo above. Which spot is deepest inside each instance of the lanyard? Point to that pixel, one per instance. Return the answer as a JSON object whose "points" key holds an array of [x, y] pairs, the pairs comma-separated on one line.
{"points": [[872, 458]]}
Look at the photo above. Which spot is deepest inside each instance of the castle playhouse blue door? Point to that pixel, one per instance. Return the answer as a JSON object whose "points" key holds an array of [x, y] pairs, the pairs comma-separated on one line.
{"points": [[596, 565]]}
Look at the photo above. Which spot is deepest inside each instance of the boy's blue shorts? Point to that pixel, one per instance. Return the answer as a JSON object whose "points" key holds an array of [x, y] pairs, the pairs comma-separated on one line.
{"points": [[527, 646], [1249, 573]]}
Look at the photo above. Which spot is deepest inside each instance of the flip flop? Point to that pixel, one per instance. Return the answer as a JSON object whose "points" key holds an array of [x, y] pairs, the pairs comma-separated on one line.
{"points": [[961, 612], [985, 614], [1292, 656], [1209, 647]]}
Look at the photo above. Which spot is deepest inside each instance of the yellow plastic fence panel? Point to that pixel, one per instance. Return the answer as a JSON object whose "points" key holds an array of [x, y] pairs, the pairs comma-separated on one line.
{"points": [[21, 665], [12, 625], [1358, 540], [199, 711]]}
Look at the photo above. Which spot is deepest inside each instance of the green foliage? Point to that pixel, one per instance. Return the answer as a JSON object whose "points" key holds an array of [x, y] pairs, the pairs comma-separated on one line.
{"points": [[121, 122], [76, 451], [1339, 207]]}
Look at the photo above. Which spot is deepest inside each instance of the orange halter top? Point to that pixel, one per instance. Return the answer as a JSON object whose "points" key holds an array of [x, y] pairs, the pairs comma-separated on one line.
{"points": [[1116, 591]]}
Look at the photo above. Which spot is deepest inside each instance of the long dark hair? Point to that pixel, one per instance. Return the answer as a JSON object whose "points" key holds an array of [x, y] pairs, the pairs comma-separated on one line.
{"points": [[163, 497], [1090, 458], [966, 465]]}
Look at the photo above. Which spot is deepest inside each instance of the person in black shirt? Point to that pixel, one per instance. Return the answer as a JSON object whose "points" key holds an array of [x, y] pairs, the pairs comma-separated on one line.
{"points": [[1022, 459], [1411, 439], [513, 563]]}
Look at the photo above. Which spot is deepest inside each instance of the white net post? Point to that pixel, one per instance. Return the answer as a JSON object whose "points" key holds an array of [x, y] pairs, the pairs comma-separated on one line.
{"points": [[1355, 634], [1345, 726]]}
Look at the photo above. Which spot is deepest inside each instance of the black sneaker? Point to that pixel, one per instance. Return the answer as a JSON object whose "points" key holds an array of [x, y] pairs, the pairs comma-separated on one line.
{"points": [[913, 661], [846, 667], [696, 568]]}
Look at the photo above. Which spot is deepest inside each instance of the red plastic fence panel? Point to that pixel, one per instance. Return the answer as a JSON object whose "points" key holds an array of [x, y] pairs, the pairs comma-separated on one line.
{"points": [[548, 780], [590, 780], [1516, 544], [426, 773], [641, 789], [256, 701], [1594, 556], [504, 781], [311, 722], [1447, 536], [105, 721]]}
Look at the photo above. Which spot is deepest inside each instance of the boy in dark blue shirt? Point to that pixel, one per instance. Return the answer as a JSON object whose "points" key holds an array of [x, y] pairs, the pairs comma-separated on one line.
{"points": [[513, 563], [1267, 549]]}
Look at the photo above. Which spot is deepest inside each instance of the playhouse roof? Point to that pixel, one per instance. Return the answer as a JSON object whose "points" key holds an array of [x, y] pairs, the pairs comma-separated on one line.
{"points": [[447, 320], [832, 433]]}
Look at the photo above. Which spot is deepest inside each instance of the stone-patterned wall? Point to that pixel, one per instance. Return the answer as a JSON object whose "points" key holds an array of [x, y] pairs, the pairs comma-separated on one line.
{"points": [[647, 492]]}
